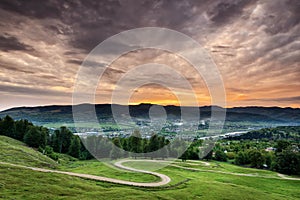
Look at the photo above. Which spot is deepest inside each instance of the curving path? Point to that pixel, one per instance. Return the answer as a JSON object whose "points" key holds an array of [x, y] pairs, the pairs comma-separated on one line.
{"points": [[164, 178], [280, 176], [195, 163], [286, 177]]}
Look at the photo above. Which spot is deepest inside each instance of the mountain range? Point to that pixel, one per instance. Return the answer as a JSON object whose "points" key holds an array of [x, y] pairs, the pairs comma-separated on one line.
{"points": [[63, 113]]}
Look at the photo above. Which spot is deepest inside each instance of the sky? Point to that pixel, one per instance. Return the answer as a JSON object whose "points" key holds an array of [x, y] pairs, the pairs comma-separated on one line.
{"points": [[254, 44]]}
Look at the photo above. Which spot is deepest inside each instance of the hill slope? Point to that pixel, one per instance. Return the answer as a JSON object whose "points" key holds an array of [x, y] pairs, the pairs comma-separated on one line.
{"points": [[206, 183], [16, 152], [20, 183]]}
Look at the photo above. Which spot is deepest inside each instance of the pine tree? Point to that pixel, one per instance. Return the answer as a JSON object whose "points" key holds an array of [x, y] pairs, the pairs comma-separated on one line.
{"points": [[32, 137], [135, 142], [8, 127], [74, 149]]}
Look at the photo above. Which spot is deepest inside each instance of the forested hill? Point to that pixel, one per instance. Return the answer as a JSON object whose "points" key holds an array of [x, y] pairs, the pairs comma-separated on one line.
{"points": [[291, 133], [44, 114]]}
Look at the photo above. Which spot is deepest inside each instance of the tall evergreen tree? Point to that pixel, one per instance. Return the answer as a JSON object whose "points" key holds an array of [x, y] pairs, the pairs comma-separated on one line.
{"points": [[66, 136], [8, 127], [33, 136], [21, 128], [153, 145], [75, 146], [135, 142]]}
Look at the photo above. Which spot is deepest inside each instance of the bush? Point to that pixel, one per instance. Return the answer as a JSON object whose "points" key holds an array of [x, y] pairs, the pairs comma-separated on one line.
{"points": [[287, 162], [242, 158], [256, 158], [54, 156], [220, 156], [230, 155]]}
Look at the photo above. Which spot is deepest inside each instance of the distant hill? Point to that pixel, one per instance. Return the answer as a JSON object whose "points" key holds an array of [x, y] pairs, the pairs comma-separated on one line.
{"points": [[46, 114], [291, 133]]}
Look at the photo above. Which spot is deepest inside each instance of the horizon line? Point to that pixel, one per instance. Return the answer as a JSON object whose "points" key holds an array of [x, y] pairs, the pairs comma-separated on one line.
{"points": [[146, 103]]}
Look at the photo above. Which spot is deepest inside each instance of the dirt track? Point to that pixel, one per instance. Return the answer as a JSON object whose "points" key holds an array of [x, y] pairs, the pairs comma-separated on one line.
{"points": [[164, 178]]}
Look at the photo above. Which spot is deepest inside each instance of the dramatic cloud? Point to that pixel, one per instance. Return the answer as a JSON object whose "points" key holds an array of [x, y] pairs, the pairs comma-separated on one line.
{"points": [[254, 43], [8, 43]]}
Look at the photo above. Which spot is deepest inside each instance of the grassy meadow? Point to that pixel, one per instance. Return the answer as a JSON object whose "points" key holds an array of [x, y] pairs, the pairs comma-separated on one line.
{"points": [[206, 183]]}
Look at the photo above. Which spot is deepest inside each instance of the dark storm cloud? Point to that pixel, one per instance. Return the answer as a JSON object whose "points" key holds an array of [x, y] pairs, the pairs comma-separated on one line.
{"points": [[30, 91], [93, 21], [32, 8], [221, 47], [8, 43], [255, 43], [87, 63], [221, 12], [67, 53], [279, 21], [111, 72], [99, 21], [267, 42], [12, 68], [76, 62], [228, 54]]}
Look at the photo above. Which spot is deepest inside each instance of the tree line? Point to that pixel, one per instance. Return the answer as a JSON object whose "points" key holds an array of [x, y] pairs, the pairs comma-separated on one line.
{"points": [[248, 150], [60, 141], [280, 155], [63, 141], [278, 133]]}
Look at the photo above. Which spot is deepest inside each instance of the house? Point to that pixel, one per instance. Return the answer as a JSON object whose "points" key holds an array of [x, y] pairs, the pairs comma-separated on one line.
{"points": [[269, 149]]}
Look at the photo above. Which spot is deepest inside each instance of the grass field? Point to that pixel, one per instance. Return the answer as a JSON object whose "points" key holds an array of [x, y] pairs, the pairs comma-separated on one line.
{"points": [[19, 183], [226, 167], [16, 152], [94, 167]]}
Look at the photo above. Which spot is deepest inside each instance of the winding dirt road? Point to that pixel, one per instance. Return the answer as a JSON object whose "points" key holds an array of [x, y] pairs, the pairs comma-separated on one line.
{"points": [[164, 178], [280, 176]]}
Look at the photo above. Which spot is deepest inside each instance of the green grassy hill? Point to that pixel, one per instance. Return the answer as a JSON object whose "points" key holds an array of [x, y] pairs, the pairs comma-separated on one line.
{"points": [[16, 152], [213, 181]]}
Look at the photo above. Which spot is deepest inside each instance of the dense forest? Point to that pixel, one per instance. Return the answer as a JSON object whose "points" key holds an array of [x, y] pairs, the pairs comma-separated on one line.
{"points": [[271, 148]]}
